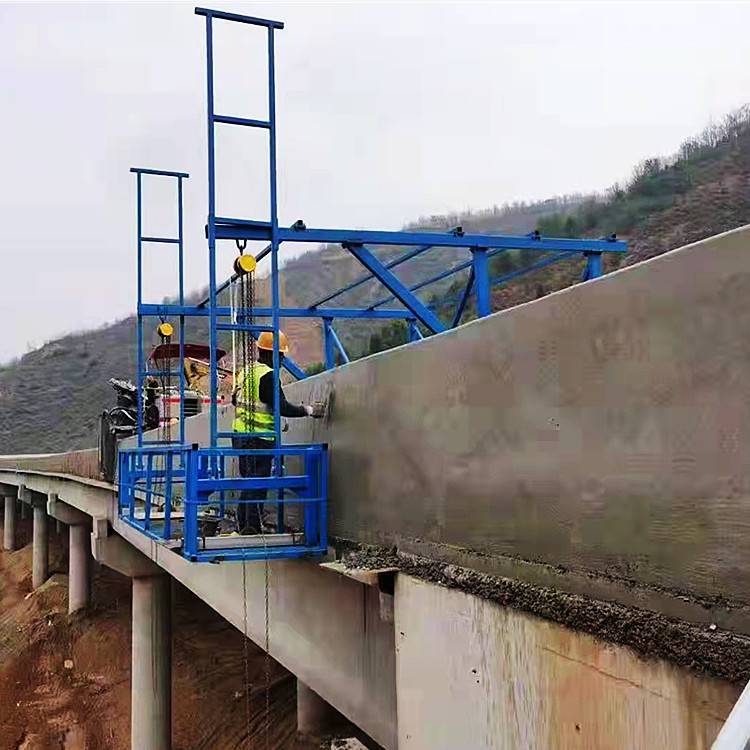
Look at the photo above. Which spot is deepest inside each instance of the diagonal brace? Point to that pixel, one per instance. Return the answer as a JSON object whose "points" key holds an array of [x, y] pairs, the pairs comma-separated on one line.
{"points": [[389, 280]]}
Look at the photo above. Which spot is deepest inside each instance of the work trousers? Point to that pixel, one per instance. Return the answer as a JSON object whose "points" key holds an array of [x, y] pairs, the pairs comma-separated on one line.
{"points": [[250, 515]]}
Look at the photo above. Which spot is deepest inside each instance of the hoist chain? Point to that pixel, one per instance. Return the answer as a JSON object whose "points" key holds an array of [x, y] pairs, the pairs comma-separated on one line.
{"points": [[164, 428], [246, 316], [246, 654], [267, 717]]}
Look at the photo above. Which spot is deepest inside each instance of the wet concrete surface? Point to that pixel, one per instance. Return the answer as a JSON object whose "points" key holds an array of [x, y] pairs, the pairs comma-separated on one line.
{"points": [[698, 647], [603, 428]]}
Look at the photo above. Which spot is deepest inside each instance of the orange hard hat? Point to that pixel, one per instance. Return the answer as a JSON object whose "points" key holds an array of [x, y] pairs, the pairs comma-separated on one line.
{"points": [[265, 341]]}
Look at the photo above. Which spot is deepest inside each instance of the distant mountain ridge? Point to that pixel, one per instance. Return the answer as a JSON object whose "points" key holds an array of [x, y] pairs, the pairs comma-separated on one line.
{"points": [[50, 398]]}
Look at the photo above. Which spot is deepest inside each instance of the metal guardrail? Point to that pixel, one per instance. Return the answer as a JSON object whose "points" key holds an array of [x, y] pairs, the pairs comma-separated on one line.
{"points": [[179, 495]]}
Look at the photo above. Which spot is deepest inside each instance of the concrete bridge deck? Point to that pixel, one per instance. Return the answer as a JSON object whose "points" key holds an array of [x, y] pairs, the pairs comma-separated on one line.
{"points": [[566, 486]]}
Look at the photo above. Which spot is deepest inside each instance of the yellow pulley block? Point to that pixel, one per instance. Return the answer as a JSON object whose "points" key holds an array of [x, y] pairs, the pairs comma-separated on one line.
{"points": [[165, 330], [244, 264]]}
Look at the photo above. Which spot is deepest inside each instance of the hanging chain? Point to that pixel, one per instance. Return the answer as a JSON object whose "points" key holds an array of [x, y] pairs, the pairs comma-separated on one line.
{"points": [[165, 384], [164, 366], [246, 649], [164, 428], [267, 714]]}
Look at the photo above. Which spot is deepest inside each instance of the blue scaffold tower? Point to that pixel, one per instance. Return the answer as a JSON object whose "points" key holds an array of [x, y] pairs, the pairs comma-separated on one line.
{"points": [[178, 491]]}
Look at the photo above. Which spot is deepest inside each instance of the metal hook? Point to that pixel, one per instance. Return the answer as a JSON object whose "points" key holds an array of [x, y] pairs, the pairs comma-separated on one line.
{"points": [[241, 245]]}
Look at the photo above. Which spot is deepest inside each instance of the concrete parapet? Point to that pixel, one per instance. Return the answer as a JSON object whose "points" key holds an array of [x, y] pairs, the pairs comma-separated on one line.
{"points": [[602, 429]]}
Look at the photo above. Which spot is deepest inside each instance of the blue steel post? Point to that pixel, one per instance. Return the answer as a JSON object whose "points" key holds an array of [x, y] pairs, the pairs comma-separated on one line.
{"points": [[212, 342], [329, 348], [593, 268], [464, 299], [181, 272], [149, 490], [337, 343], [139, 319], [481, 280], [323, 489], [275, 302], [167, 531], [190, 535], [310, 510]]}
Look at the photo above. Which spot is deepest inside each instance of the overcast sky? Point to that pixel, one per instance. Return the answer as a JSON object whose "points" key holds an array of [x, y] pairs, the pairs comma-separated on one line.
{"points": [[387, 111]]}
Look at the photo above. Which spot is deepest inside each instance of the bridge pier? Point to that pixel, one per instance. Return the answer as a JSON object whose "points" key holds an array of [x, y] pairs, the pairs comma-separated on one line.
{"points": [[151, 683], [79, 554], [79, 550], [151, 670], [40, 546], [9, 523]]}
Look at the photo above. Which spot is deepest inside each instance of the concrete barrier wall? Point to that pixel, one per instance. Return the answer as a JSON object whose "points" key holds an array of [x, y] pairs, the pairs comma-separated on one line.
{"points": [[505, 679], [83, 463], [605, 427]]}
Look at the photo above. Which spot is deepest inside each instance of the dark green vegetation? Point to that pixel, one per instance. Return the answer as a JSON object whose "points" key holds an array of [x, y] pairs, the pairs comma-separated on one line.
{"points": [[50, 398]]}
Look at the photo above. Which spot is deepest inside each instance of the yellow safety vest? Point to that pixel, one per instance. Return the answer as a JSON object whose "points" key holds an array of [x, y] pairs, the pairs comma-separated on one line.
{"points": [[251, 414]]}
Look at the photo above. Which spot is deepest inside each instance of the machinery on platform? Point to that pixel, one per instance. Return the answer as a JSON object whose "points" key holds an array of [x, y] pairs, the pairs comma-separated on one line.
{"points": [[177, 491]]}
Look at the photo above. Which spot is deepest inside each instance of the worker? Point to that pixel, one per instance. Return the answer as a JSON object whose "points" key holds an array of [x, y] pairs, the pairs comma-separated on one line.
{"points": [[253, 399]]}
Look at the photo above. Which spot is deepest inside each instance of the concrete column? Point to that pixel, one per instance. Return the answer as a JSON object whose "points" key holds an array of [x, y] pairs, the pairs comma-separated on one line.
{"points": [[23, 510], [79, 554], [151, 684], [40, 548], [9, 524], [315, 716], [58, 526]]}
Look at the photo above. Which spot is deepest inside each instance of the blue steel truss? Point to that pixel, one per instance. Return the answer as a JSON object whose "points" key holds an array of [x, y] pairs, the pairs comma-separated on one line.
{"points": [[202, 471], [359, 243]]}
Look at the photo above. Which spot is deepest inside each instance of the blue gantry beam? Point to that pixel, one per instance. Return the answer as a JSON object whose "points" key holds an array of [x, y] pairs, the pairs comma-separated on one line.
{"points": [[232, 230], [481, 248]]}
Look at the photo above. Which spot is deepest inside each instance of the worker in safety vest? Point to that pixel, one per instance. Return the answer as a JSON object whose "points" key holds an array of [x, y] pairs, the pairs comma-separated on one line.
{"points": [[253, 399]]}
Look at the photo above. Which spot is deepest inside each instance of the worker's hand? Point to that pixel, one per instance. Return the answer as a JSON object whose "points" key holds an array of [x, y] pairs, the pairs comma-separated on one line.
{"points": [[316, 410]]}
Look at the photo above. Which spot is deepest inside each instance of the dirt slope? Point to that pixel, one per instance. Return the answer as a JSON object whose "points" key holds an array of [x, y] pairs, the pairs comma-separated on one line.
{"points": [[65, 680]]}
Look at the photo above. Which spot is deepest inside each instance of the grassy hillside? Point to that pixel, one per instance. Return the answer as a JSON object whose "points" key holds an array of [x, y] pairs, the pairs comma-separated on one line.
{"points": [[50, 399], [701, 190]]}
